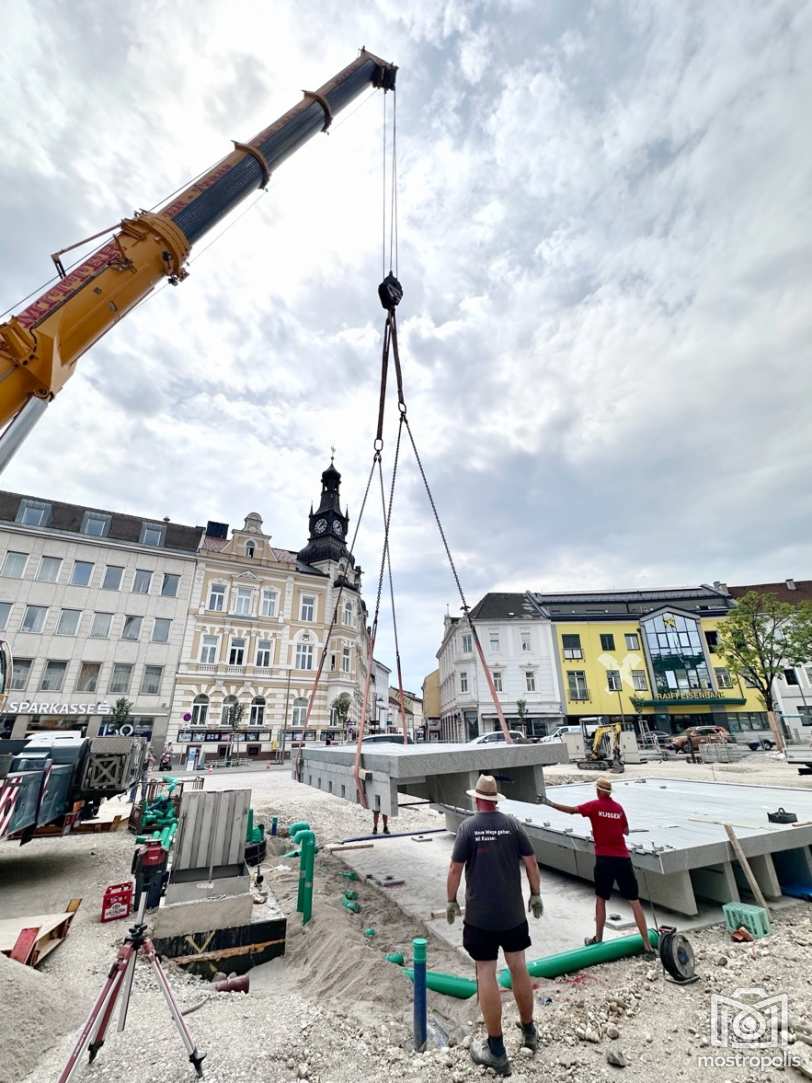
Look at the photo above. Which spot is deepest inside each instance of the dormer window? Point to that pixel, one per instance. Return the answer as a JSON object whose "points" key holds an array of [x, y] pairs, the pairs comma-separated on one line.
{"points": [[250, 549]]}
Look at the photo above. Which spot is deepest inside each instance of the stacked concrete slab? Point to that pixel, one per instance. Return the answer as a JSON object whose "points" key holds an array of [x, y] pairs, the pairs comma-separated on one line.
{"points": [[438, 773], [677, 838]]}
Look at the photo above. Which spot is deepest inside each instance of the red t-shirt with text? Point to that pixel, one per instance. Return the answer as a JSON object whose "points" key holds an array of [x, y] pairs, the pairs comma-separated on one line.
{"points": [[609, 826]]}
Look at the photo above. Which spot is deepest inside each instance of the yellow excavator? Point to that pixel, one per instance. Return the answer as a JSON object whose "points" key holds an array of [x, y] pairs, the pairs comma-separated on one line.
{"points": [[602, 747]]}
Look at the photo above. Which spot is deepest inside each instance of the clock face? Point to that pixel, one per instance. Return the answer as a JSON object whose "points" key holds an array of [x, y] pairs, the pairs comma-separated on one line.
{"points": [[337, 528], [321, 526]]}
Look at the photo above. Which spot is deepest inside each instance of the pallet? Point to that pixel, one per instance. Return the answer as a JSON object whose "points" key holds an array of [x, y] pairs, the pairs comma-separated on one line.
{"points": [[29, 939], [82, 827]]}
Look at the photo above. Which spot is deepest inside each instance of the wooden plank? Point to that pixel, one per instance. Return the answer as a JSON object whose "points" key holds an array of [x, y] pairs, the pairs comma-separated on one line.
{"points": [[225, 953], [51, 930], [24, 946], [745, 864]]}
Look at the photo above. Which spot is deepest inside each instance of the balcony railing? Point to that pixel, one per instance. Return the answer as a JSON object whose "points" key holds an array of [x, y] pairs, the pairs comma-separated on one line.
{"points": [[579, 697]]}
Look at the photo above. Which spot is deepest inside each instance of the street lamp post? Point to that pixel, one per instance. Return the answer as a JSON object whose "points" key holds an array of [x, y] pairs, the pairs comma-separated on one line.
{"points": [[285, 723]]}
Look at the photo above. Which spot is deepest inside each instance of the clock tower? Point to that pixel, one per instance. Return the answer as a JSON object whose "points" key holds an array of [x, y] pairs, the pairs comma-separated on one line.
{"points": [[328, 524]]}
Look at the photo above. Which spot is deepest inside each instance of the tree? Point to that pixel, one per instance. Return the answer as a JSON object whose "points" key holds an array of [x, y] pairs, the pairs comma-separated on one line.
{"points": [[233, 714], [120, 714], [762, 636], [521, 711], [342, 706]]}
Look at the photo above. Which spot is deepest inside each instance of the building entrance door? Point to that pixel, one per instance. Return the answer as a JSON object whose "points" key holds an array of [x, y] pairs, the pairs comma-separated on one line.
{"points": [[192, 757]]}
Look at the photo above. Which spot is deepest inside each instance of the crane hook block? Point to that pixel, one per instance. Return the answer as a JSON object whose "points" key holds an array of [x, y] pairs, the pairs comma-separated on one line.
{"points": [[390, 292]]}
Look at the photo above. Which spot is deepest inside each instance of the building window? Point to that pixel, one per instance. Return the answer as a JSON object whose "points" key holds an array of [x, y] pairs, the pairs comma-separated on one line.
{"points": [[82, 571], [467, 644], [497, 680], [14, 564], [804, 713], [95, 524], [346, 658], [639, 680], [748, 680], [169, 586], [5, 610], [160, 630], [348, 613], [607, 642], [493, 640], [120, 678], [264, 653], [151, 534], [236, 653], [142, 581], [33, 513], [299, 711], [208, 650], [613, 680], [530, 681], [217, 597], [151, 681], [463, 681], [48, 571], [250, 549], [100, 628], [88, 677], [242, 602], [53, 676], [112, 577], [572, 646], [257, 716], [132, 628], [228, 712], [308, 608], [304, 655], [712, 639], [526, 641], [576, 681], [723, 678], [269, 603], [632, 642], [34, 618], [200, 710], [790, 676], [20, 673], [68, 623]]}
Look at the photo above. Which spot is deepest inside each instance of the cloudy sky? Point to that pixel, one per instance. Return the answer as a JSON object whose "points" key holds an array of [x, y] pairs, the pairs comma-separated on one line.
{"points": [[605, 247]]}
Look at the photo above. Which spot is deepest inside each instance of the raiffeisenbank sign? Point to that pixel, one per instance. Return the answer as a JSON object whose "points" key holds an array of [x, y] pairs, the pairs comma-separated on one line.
{"points": [[24, 706]]}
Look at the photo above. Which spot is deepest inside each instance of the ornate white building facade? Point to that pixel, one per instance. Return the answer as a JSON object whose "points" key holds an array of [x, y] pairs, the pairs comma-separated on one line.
{"points": [[257, 627]]}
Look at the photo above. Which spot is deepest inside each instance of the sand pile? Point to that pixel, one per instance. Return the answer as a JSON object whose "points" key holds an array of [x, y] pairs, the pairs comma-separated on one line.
{"points": [[36, 1010]]}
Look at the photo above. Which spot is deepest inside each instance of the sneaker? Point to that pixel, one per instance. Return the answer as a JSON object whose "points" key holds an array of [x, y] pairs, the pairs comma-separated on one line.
{"points": [[374, 831], [530, 1036], [386, 831], [481, 1054]]}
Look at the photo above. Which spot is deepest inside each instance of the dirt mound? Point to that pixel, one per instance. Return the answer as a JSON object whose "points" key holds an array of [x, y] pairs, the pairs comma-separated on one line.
{"points": [[36, 1011]]}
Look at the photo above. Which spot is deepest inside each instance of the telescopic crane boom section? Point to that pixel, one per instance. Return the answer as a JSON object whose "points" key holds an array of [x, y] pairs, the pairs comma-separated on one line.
{"points": [[40, 345]]}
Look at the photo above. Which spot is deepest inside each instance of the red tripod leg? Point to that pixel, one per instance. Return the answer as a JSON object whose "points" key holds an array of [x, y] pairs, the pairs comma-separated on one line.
{"points": [[195, 1058], [127, 957], [109, 989]]}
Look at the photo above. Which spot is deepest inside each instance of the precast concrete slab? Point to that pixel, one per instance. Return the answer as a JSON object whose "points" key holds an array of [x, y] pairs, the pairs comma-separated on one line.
{"points": [[677, 839], [438, 773]]}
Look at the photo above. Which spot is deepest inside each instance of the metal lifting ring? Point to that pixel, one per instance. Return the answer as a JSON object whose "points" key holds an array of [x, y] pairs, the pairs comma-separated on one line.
{"points": [[325, 105], [377, 447], [402, 408]]}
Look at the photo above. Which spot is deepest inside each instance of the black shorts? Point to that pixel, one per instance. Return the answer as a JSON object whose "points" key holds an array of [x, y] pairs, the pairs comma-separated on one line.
{"points": [[615, 870], [484, 944]]}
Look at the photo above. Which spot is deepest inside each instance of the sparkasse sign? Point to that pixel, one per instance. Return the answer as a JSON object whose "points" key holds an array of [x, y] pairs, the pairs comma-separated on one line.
{"points": [[24, 706]]}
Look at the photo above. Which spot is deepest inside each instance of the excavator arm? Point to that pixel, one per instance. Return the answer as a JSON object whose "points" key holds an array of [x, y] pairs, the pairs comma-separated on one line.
{"points": [[40, 345]]}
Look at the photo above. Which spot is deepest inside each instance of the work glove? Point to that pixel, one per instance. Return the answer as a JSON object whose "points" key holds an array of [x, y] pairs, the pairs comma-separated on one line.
{"points": [[535, 906], [452, 911]]}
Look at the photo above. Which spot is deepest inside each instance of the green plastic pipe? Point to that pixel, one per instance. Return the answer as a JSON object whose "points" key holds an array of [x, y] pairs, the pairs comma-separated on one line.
{"points": [[348, 904], [300, 825], [567, 962], [448, 984]]}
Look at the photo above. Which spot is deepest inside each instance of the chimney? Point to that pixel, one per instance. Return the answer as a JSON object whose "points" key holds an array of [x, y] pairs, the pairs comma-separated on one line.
{"points": [[216, 530], [791, 585], [720, 587]]}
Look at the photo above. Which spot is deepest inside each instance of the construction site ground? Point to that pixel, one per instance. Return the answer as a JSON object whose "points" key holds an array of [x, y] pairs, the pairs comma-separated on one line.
{"points": [[334, 1010]]}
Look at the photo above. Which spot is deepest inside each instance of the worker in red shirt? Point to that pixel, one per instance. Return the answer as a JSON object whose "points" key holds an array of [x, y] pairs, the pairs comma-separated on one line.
{"points": [[612, 862]]}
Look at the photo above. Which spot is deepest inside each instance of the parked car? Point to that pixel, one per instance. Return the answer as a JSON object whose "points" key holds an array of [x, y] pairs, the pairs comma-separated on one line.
{"points": [[695, 736], [386, 739], [496, 736]]}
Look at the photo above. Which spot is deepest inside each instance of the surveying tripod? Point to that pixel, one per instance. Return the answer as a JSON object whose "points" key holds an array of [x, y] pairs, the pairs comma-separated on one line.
{"points": [[119, 983]]}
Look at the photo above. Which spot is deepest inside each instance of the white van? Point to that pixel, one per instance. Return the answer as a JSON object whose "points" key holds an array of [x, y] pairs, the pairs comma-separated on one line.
{"points": [[562, 731]]}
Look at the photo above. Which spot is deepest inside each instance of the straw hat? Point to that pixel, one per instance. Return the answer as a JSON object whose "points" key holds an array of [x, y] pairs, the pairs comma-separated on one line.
{"points": [[604, 784], [486, 789]]}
